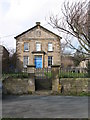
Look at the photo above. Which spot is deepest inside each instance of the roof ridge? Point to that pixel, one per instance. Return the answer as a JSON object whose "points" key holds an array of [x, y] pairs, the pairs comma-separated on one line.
{"points": [[35, 27]]}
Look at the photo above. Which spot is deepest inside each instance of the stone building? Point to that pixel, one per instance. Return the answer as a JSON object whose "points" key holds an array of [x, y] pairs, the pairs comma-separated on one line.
{"points": [[4, 59], [67, 61], [37, 46]]}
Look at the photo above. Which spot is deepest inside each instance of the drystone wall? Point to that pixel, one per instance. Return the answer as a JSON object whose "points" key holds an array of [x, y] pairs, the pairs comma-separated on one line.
{"points": [[18, 86]]}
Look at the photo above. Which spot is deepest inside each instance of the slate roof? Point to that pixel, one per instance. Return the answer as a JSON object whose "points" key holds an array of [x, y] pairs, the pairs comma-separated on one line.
{"points": [[35, 27]]}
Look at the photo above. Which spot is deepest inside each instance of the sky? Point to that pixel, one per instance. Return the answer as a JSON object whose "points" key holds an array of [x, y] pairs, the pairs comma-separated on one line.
{"points": [[17, 16]]}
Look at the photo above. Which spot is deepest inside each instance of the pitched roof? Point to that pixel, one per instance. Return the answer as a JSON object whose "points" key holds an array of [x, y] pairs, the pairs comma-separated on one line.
{"points": [[3, 48], [37, 24]]}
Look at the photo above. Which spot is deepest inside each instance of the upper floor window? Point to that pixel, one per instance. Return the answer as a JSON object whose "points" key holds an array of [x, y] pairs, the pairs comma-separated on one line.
{"points": [[38, 47], [25, 61], [26, 46], [50, 47]]}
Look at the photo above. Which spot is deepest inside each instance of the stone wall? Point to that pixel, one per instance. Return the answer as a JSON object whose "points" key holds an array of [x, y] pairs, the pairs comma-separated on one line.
{"points": [[4, 59], [27, 85], [55, 78], [18, 86], [68, 85], [75, 85]]}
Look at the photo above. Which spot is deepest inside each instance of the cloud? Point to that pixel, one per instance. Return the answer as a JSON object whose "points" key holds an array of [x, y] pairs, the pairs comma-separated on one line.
{"points": [[20, 15]]}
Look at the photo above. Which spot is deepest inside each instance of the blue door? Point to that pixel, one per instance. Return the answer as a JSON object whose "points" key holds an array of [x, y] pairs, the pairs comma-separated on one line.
{"points": [[38, 61]]}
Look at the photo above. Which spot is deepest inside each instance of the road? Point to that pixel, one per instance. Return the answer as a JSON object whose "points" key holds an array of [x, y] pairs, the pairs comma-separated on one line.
{"points": [[0, 99], [29, 106]]}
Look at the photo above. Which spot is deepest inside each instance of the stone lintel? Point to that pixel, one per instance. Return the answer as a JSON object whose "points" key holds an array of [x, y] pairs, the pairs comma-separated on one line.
{"points": [[30, 69], [55, 66], [30, 65]]}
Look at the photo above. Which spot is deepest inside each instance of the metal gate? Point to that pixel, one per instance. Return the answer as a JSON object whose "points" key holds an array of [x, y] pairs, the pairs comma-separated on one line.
{"points": [[43, 79]]}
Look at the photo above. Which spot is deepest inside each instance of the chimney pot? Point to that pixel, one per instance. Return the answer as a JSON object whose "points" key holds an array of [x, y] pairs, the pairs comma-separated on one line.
{"points": [[37, 23]]}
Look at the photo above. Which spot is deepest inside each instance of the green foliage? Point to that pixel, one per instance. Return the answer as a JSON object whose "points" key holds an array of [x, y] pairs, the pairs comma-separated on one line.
{"points": [[15, 75], [62, 74], [49, 74], [72, 75], [68, 75], [29, 92], [84, 94]]}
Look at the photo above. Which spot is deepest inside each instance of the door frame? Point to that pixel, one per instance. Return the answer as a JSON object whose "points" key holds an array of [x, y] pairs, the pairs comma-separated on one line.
{"points": [[38, 54]]}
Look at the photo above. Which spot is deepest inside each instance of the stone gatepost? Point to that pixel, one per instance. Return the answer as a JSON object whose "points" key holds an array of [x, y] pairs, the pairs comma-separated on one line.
{"points": [[55, 77], [31, 73]]}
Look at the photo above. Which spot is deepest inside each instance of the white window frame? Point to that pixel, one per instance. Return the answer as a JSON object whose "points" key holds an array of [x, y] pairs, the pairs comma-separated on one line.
{"points": [[38, 46], [50, 46], [25, 66], [27, 46]]}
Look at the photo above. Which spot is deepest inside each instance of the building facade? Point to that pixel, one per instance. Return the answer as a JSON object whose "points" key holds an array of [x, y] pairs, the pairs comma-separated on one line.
{"points": [[4, 59], [37, 46]]}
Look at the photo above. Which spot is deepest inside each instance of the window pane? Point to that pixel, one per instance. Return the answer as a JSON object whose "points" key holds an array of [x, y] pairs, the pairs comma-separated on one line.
{"points": [[26, 46], [38, 47], [49, 60], [25, 61], [49, 46]]}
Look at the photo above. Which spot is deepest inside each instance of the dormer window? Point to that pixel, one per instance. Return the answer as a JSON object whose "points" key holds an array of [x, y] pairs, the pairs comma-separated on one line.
{"points": [[50, 47], [38, 46], [26, 46]]}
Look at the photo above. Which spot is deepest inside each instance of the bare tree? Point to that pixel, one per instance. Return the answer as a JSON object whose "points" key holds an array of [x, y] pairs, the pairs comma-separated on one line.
{"points": [[64, 45], [78, 57], [12, 59], [11, 51], [75, 22]]}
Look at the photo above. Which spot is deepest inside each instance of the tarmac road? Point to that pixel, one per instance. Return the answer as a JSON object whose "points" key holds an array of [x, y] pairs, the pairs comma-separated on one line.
{"points": [[29, 106], [0, 99]]}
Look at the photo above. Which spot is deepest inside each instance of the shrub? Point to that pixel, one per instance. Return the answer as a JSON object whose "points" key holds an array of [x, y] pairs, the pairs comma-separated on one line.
{"points": [[72, 75], [15, 75], [49, 74]]}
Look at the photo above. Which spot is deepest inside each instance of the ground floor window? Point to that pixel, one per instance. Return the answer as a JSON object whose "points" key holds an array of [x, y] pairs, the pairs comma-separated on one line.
{"points": [[25, 61], [49, 60]]}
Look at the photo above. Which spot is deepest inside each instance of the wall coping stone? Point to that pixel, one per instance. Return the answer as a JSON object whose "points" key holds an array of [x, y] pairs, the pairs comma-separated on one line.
{"points": [[30, 65], [55, 66]]}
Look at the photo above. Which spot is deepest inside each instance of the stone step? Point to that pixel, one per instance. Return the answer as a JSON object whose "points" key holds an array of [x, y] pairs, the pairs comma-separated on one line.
{"points": [[43, 92]]}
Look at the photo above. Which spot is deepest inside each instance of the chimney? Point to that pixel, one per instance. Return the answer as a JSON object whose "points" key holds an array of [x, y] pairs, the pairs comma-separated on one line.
{"points": [[37, 23]]}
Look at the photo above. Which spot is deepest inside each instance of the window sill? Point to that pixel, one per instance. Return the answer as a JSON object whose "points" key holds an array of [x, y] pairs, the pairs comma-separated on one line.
{"points": [[24, 67], [50, 51], [38, 50], [26, 50]]}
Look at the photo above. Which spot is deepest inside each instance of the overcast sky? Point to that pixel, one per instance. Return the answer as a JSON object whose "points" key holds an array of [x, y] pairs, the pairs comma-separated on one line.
{"points": [[16, 16]]}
